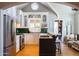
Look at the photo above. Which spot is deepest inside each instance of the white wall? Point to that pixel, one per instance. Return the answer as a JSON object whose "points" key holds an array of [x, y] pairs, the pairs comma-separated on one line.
{"points": [[1, 32], [51, 19], [76, 23]]}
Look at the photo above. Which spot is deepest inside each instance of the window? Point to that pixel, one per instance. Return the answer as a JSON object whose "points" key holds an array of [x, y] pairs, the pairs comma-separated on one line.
{"points": [[44, 18], [25, 21]]}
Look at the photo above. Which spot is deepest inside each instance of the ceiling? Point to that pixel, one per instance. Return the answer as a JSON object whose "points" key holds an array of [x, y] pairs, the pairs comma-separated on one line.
{"points": [[75, 3], [43, 4], [71, 4], [4, 5], [10, 4]]}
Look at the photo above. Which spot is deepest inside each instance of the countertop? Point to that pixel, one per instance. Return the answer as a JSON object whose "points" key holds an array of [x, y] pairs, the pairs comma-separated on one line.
{"points": [[45, 36]]}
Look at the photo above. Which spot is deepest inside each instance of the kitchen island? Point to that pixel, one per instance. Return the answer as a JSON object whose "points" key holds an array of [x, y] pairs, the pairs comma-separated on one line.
{"points": [[47, 45]]}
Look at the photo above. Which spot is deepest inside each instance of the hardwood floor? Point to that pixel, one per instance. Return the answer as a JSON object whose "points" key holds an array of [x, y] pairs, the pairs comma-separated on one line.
{"points": [[33, 50], [29, 50], [67, 51]]}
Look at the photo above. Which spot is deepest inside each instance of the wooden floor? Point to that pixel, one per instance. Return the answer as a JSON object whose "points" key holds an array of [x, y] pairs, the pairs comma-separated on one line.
{"points": [[67, 51], [33, 50], [29, 50]]}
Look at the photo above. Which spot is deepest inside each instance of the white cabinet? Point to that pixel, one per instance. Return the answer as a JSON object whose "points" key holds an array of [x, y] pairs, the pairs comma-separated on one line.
{"points": [[17, 43], [32, 38]]}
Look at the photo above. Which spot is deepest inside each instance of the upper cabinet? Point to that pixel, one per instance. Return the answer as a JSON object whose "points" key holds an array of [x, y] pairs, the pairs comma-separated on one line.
{"points": [[44, 21], [38, 17], [35, 21]]}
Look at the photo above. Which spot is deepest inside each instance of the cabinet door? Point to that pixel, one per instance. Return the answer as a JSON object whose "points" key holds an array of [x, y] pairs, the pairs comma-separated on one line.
{"points": [[29, 39], [32, 38], [36, 38], [47, 47], [17, 43]]}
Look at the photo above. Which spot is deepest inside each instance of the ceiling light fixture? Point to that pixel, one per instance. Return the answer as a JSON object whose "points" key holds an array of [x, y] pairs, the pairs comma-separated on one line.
{"points": [[34, 6]]}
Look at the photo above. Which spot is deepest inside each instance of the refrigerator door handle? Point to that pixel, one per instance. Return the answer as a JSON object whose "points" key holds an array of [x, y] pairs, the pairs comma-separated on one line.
{"points": [[12, 37]]}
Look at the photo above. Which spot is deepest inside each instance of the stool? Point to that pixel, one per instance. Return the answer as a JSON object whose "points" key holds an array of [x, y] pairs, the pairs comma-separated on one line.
{"points": [[58, 47]]}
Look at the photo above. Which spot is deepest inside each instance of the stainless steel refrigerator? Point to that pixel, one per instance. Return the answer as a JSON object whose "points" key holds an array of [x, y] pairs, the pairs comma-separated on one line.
{"points": [[9, 48]]}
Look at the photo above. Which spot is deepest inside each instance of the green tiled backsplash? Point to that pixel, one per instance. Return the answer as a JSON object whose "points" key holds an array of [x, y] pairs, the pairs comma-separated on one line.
{"points": [[22, 30], [44, 30], [26, 30]]}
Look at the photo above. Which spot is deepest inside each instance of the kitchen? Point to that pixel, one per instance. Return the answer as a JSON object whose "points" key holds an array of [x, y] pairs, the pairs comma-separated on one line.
{"points": [[28, 26], [35, 22], [37, 29]]}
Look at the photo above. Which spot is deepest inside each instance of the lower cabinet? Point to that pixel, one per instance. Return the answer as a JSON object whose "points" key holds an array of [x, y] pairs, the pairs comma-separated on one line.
{"points": [[17, 43], [47, 47], [20, 44], [32, 38]]}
